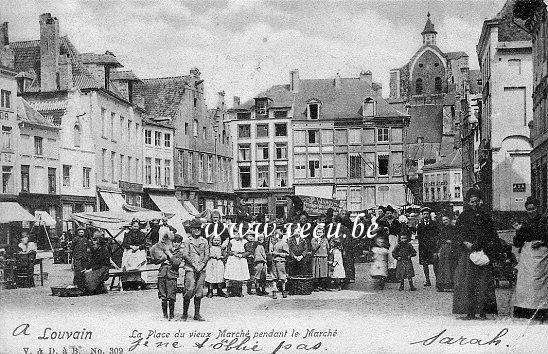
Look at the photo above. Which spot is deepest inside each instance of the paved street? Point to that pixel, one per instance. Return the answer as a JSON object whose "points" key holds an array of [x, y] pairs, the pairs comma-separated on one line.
{"points": [[360, 299], [365, 319]]}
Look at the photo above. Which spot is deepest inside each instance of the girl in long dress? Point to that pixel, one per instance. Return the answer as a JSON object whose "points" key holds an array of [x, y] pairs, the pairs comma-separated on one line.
{"points": [[531, 294], [215, 268], [379, 266], [236, 269], [339, 273]]}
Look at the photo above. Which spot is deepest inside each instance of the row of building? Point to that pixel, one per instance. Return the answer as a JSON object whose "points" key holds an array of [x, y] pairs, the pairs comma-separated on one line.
{"points": [[79, 133]]}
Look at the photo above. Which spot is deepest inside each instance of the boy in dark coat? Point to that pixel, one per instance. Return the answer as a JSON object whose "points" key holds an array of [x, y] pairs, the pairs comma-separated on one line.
{"points": [[170, 260]]}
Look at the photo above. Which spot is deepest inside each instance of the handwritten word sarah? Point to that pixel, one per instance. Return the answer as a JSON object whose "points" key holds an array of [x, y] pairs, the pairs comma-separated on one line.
{"points": [[438, 339]]}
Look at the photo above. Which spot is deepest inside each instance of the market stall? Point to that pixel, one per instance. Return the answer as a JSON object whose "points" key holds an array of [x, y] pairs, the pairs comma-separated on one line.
{"points": [[11, 266]]}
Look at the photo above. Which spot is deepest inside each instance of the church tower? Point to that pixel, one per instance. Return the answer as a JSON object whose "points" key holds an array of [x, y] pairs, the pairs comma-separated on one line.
{"points": [[429, 33]]}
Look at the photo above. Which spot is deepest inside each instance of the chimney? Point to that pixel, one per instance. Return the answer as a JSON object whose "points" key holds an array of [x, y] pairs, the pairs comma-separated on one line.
{"points": [[49, 53], [236, 102], [4, 38], [337, 81], [221, 100], [65, 74], [294, 81], [366, 76], [6, 53], [195, 73]]}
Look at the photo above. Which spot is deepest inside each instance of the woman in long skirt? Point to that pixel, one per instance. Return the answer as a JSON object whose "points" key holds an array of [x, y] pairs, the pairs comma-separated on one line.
{"points": [[475, 285], [97, 271], [531, 294], [135, 256], [448, 257]]}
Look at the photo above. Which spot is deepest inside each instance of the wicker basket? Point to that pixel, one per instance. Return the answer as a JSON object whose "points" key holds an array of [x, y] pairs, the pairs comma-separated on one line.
{"points": [[301, 285]]}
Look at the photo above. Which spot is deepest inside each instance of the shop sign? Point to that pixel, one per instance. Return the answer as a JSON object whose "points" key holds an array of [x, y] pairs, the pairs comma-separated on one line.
{"points": [[317, 206], [130, 187]]}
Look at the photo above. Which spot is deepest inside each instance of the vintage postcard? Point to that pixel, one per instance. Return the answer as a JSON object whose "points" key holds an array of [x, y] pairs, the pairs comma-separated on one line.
{"points": [[261, 176]]}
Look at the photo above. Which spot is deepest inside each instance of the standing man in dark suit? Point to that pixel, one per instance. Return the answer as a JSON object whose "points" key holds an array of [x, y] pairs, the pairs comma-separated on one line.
{"points": [[427, 234]]}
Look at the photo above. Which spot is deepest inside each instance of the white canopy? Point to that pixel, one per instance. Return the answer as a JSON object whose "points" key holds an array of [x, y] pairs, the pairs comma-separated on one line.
{"points": [[170, 204], [12, 211], [43, 218], [114, 201]]}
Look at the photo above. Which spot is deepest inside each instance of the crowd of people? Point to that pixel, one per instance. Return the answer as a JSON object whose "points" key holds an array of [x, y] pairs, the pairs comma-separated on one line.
{"points": [[261, 257]]}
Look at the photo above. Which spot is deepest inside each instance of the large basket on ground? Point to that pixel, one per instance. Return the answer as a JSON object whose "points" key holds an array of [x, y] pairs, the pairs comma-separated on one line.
{"points": [[301, 285]]}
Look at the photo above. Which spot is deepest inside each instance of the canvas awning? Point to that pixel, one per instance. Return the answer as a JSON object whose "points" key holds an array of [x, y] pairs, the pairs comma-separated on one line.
{"points": [[43, 218], [190, 208], [111, 220], [114, 201], [12, 212], [170, 204]]}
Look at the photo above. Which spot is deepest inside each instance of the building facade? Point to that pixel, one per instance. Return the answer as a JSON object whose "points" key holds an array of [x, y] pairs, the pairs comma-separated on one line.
{"points": [[201, 143], [344, 141], [262, 151], [428, 87], [9, 154], [504, 53], [538, 27], [39, 163], [443, 184], [100, 159]]}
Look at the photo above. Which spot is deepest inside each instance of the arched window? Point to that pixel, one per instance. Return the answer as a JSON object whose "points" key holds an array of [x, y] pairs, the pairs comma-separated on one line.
{"points": [[418, 87], [76, 135], [437, 84]]}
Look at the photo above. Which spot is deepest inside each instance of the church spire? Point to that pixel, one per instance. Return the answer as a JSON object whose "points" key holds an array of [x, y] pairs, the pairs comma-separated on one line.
{"points": [[428, 33]]}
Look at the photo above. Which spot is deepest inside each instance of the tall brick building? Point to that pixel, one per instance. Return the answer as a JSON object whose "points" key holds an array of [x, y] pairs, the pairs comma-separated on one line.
{"points": [[428, 88]]}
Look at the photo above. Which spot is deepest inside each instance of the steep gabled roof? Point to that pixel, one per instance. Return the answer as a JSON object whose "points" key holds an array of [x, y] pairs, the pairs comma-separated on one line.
{"points": [[158, 123], [26, 113], [161, 96], [93, 58], [426, 122], [508, 31], [451, 161], [126, 75], [51, 105], [345, 101], [27, 59], [427, 151], [455, 55]]}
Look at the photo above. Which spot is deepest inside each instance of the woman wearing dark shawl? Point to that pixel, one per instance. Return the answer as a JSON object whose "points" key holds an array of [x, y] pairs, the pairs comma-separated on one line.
{"points": [[531, 294], [474, 285]]}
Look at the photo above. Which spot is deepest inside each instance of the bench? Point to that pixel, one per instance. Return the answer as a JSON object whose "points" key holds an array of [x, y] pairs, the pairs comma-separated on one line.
{"points": [[115, 273]]}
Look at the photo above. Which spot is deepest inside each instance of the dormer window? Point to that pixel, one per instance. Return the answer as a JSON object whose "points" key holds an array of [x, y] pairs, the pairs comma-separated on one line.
{"points": [[369, 107], [261, 106], [313, 110]]}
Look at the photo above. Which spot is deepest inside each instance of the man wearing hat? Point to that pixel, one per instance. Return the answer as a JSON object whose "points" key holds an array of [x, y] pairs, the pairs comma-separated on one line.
{"points": [[80, 245], [427, 235], [195, 254]]}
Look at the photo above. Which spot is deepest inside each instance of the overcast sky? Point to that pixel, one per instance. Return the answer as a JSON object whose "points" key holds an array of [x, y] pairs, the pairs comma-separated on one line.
{"points": [[243, 47]]}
